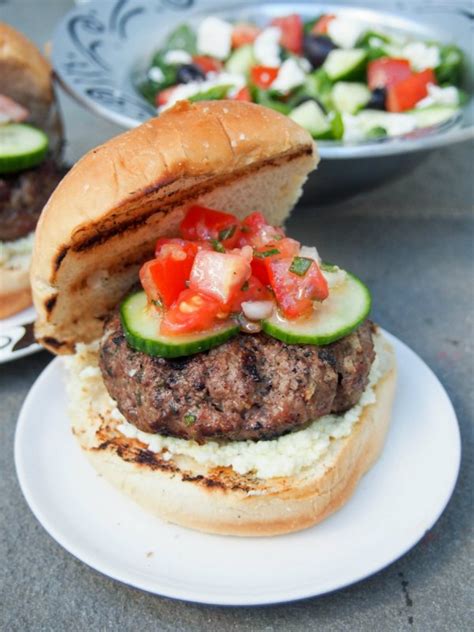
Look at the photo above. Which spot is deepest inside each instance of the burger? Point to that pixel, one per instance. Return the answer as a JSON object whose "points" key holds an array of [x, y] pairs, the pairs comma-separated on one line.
{"points": [[220, 373], [30, 150]]}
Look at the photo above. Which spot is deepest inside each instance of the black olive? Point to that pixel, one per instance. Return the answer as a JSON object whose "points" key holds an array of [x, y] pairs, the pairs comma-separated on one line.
{"points": [[377, 99], [188, 73], [316, 48]]}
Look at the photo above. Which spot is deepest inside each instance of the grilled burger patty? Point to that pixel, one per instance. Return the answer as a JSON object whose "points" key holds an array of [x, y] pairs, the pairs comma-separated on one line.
{"points": [[22, 197], [251, 387]]}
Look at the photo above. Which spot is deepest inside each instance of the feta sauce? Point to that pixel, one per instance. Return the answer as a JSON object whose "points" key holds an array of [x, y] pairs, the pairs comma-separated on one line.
{"points": [[284, 456], [214, 37], [266, 47], [290, 75], [345, 32], [16, 255], [177, 57], [421, 56]]}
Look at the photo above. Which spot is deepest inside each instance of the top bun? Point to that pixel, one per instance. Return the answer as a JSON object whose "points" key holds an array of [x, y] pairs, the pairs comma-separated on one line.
{"points": [[26, 77], [104, 218]]}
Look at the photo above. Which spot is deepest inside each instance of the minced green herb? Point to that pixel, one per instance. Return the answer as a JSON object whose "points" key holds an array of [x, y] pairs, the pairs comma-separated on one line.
{"points": [[245, 286], [189, 419], [216, 245], [227, 233], [266, 253], [300, 265]]}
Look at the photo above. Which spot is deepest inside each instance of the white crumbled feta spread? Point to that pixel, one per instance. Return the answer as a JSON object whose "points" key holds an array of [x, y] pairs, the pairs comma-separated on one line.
{"points": [[440, 96], [177, 57], [421, 56], [266, 47], [156, 74], [16, 255], [214, 37], [186, 90], [284, 456], [290, 75], [345, 32]]}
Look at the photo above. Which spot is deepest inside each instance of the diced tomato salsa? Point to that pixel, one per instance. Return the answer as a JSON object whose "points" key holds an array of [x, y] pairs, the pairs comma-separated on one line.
{"points": [[218, 262]]}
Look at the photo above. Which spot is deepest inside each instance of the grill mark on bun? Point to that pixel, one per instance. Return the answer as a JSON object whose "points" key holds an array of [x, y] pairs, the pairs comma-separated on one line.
{"points": [[50, 303], [128, 450], [88, 242]]}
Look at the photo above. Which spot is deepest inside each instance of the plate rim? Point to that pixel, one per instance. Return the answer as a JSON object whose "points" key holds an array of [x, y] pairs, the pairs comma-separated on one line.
{"points": [[231, 599]]}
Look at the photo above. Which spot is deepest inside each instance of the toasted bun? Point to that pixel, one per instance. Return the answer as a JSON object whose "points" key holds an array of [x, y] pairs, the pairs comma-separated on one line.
{"points": [[25, 73], [103, 220], [15, 293], [218, 500]]}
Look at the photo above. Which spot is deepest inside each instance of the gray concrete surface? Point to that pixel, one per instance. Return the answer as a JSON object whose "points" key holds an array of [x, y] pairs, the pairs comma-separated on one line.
{"points": [[412, 241]]}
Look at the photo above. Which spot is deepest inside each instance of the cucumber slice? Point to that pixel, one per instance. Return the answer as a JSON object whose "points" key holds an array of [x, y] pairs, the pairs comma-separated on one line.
{"points": [[142, 325], [345, 309], [310, 116], [345, 64], [241, 60], [349, 97], [433, 114], [21, 147]]}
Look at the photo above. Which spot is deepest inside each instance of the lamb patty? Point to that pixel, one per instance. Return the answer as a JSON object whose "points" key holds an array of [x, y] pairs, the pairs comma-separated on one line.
{"points": [[251, 387], [22, 197]]}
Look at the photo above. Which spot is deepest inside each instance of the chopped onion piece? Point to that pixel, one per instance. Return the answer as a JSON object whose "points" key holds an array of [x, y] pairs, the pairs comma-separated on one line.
{"points": [[257, 310]]}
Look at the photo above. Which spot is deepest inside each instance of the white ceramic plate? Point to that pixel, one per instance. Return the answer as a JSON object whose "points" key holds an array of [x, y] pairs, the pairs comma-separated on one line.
{"points": [[394, 505], [16, 335]]}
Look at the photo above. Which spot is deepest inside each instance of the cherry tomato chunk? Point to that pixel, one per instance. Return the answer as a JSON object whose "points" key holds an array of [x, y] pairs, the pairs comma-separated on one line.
{"points": [[291, 32], [192, 311], [244, 34], [251, 290], [205, 223], [243, 95], [405, 94], [257, 233], [386, 72], [207, 64], [295, 294], [321, 26], [165, 277], [219, 275], [263, 76]]}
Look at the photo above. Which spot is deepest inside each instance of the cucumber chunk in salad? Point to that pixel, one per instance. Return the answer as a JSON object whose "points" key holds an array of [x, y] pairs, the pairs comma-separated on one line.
{"points": [[321, 126], [345, 64], [141, 324], [346, 307]]}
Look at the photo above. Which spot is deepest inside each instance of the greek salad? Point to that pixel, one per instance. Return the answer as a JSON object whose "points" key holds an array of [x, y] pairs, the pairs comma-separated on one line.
{"points": [[339, 78]]}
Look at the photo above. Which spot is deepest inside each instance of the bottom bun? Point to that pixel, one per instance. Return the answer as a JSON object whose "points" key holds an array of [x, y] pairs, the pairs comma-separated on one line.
{"points": [[15, 292], [216, 499]]}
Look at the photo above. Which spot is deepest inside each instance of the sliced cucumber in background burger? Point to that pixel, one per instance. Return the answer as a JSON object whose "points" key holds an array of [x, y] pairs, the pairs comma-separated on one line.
{"points": [[21, 147]]}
